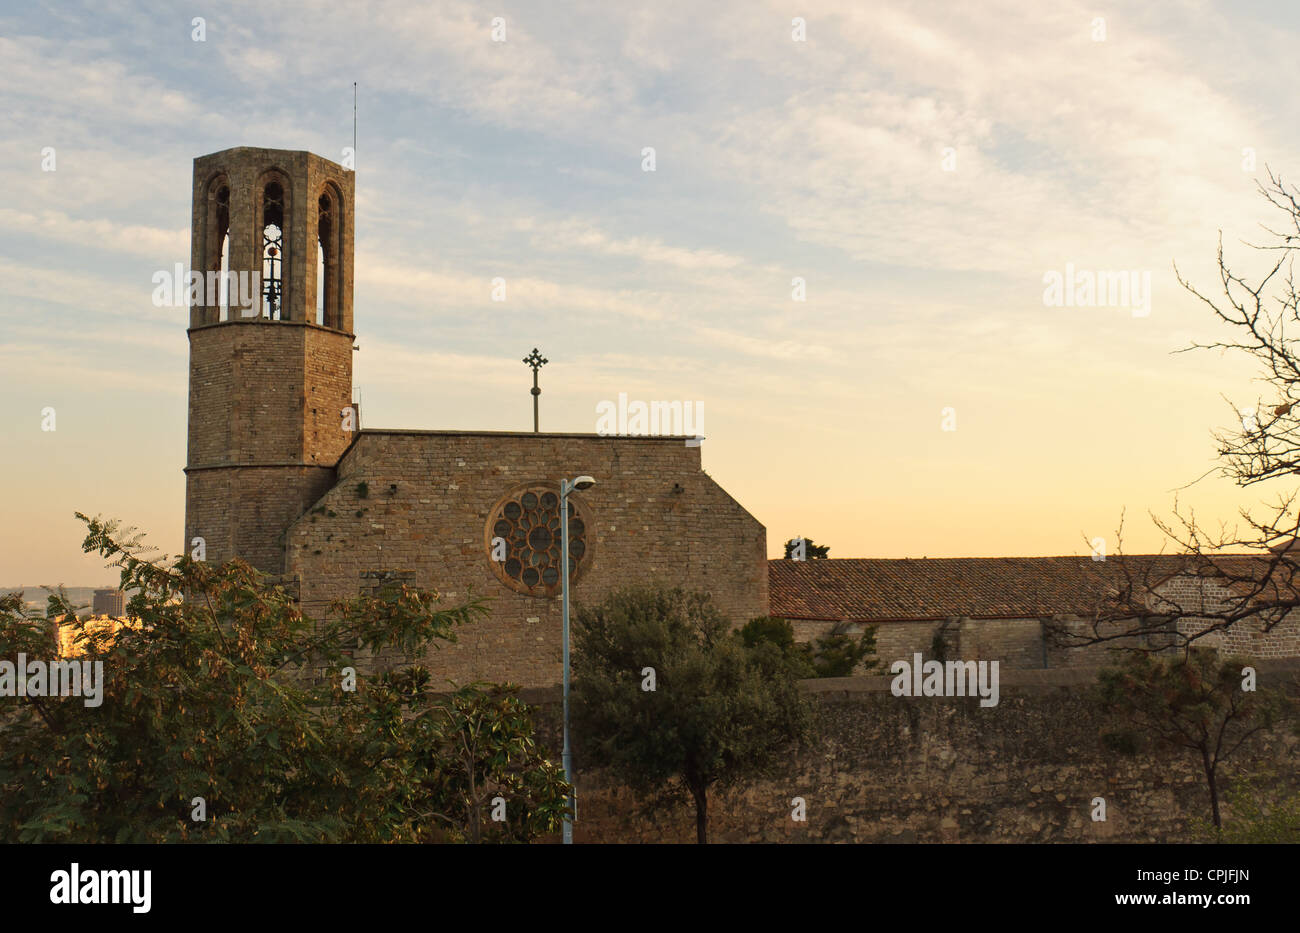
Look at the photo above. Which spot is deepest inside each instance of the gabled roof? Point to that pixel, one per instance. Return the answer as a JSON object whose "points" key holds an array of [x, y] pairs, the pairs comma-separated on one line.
{"points": [[871, 589]]}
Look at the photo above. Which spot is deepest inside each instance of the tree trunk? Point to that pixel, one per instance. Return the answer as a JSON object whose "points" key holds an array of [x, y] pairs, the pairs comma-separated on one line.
{"points": [[1214, 789], [701, 794]]}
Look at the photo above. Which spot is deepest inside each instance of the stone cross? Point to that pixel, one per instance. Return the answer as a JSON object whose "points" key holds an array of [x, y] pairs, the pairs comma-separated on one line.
{"points": [[536, 361]]}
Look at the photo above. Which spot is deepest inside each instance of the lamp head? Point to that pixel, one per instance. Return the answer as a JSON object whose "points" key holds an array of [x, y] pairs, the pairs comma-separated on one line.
{"points": [[584, 482]]}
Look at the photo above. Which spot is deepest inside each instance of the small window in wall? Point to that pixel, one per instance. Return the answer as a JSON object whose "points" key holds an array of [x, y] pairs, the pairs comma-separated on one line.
{"points": [[272, 250]]}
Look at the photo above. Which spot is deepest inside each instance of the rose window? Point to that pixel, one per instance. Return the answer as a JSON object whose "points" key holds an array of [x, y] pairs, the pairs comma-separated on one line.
{"points": [[523, 540]]}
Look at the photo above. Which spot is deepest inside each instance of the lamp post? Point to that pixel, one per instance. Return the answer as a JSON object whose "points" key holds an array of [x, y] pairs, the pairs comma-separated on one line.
{"points": [[566, 487]]}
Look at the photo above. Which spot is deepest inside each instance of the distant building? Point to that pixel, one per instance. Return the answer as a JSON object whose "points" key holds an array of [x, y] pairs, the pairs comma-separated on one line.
{"points": [[109, 603], [65, 635], [1003, 608]]}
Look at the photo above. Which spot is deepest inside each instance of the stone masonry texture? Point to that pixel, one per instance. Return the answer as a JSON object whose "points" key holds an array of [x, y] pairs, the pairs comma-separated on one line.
{"points": [[655, 517], [931, 769]]}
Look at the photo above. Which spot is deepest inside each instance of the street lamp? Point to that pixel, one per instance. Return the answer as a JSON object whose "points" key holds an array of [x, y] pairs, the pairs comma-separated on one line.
{"points": [[566, 487]]}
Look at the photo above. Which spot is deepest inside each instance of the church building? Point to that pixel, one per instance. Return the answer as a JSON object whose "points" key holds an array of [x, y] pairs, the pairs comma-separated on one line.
{"points": [[281, 474]]}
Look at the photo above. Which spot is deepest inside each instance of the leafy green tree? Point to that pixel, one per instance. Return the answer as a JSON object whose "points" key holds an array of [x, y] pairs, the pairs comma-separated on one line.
{"points": [[812, 551], [767, 629], [673, 704], [1190, 700], [1259, 814], [771, 642], [221, 689], [481, 754], [840, 655], [835, 655]]}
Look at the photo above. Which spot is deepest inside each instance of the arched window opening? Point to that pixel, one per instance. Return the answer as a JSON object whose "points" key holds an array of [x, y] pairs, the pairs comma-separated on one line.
{"points": [[326, 268], [224, 286], [216, 261], [320, 283], [272, 250]]}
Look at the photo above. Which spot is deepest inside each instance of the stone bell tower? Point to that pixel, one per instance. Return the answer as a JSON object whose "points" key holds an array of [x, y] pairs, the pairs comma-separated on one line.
{"points": [[270, 346]]}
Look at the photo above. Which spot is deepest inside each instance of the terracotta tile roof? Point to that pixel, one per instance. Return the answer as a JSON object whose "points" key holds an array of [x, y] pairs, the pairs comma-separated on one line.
{"points": [[871, 589]]}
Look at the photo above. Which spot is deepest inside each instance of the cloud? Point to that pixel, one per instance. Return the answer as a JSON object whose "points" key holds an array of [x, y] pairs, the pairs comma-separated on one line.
{"points": [[578, 237], [164, 246]]}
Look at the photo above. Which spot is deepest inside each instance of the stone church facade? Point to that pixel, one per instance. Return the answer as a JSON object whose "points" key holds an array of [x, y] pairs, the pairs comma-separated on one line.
{"points": [[280, 473]]}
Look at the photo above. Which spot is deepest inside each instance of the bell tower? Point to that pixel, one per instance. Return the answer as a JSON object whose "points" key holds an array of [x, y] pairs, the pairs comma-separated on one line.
{"points": [[270, 399]]}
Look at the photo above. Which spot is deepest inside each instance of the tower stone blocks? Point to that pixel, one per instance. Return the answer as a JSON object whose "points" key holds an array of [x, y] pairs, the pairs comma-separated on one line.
{"points": [[271, 371]]}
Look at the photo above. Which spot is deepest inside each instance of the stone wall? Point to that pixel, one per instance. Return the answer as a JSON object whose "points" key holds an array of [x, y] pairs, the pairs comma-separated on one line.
{"points": [[654, 516], [1022, 644], [898, 769], [265, 430], [1013, 642], [1247, 637]]}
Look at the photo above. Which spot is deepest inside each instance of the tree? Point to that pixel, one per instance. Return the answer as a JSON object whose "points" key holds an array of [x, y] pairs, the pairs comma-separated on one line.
{"points": [[840, 655], [482, 761], [833, 655], [1261, 449], [228, 715], [1190, 700], [811, 551], [1259, 815], [673, 704], [770, 641]]}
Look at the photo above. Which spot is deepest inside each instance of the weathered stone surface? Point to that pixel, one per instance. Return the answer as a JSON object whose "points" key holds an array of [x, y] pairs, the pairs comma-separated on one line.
{"points": [[895, 769], [654, 516]]}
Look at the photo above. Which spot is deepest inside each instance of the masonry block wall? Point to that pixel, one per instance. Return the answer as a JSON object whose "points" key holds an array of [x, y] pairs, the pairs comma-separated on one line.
{"points": [[1247, 638], [962, 638], [1021, 644], [654, 516], [265, 432], [1014, 643], [932, 769]]}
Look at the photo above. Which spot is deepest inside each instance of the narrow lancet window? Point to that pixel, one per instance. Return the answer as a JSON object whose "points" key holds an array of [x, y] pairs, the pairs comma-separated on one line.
{"points": [[320, 283], [224, 282], [217, 260], [326, 272], [272, 250]]}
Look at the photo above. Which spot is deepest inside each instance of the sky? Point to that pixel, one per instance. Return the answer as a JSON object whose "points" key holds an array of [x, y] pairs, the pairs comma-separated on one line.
{"points": [[921, 167]]}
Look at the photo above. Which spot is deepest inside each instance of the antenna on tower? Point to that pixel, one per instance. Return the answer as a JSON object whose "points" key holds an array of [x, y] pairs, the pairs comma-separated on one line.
{"points": [[354, 117]]}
